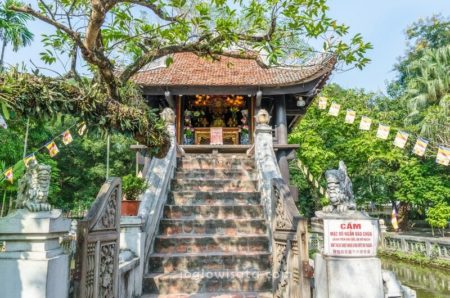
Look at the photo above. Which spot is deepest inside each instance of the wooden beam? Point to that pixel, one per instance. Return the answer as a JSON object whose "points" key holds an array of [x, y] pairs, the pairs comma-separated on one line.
{"points": [[226, 90]]}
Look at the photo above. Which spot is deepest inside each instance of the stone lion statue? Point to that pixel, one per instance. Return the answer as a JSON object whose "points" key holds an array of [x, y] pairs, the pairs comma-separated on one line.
{"points": [[339, 190], [34, 187]]}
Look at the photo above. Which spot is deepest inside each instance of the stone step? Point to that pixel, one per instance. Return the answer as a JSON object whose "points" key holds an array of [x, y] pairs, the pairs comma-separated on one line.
{"points": [[201, 243], [194, 262], [216, 174], [207, 282], [209, 163], [225, 185], [234, 227], [214, 295], [213, 198], [217, 156], [209, 212]]}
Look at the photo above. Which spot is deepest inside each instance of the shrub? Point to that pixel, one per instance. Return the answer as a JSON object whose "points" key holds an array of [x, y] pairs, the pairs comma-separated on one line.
{"points": [[132, 186]]}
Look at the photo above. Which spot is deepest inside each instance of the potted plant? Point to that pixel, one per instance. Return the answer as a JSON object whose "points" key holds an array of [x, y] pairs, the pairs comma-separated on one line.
{"points": [[244, 137], [132, 187], [188, 135]]}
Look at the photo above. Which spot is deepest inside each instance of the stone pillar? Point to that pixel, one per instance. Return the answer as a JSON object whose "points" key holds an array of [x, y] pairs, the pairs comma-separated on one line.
{"points": [[33, 263], [280, 120], [348, 266], [282, 136]]}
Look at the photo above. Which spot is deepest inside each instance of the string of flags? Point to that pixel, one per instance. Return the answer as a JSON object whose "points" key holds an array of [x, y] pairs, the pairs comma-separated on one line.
{"points": [[51, 146], [383, 131]]}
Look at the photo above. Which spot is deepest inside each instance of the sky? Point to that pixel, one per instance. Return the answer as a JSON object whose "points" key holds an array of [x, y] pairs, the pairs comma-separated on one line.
{"points": [[381, 22]]}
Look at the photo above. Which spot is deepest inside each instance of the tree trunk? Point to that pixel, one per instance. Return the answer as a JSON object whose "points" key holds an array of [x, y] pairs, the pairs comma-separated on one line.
{"points": [[2, 55], [403, 216]]}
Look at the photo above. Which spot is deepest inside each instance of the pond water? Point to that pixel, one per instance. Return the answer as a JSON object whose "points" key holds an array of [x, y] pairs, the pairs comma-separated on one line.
{"points": [[428, 282]]}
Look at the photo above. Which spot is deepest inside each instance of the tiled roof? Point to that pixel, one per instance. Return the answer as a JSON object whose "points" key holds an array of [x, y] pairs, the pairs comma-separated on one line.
{"points": [[189, 69]]}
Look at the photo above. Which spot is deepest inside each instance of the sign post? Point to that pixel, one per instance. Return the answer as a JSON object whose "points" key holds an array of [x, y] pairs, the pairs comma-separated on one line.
{"points": [[348, 259], [350, 238]]}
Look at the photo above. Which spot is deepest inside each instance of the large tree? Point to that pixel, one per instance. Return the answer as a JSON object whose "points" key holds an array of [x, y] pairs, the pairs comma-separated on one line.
{"points": [[13, 29], [380, 172], [116, 38]]}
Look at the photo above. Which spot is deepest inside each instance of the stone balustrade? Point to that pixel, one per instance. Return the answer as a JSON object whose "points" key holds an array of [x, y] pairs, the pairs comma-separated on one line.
{"points": [[290, 271], [427, 246], [430, 247], [137, 233]]}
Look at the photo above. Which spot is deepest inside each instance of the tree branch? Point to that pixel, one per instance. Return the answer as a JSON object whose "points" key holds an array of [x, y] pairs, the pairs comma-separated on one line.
{"points": [[30, 11], [156, 10], [151, 55]]}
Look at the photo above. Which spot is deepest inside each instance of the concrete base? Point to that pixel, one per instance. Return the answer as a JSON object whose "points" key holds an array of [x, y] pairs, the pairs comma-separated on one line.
{"points": [[32, 263], [337, 277]]}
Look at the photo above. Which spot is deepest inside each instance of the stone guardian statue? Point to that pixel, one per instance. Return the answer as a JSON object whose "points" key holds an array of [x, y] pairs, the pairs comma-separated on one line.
{"points": [[339, 190], [34, 187]]}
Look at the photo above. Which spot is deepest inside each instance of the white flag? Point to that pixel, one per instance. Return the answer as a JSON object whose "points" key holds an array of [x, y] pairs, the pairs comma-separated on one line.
{"points": [[443, 156], [350, 116], [400, 139], [365, 124], [420, 147], [334, 109], [322, 103], [383, 131]]}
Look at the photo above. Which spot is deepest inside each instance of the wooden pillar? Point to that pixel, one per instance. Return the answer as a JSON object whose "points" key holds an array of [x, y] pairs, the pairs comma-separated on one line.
{"points": [[179, 120], [282, 136]]}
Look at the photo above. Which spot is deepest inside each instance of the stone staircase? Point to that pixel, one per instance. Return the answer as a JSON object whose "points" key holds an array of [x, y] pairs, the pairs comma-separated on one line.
{"points": [[213, 239]]}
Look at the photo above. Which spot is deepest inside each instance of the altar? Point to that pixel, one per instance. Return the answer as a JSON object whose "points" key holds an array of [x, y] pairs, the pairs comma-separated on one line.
{"points": [[217, 120], [229, 135]]}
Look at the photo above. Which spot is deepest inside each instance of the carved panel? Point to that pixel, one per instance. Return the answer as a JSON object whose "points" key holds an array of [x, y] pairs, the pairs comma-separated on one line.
{"points": [[282, 274], [106, 274], [108, 219], [290, 248], [90, 270], [98, 253], [281, 219]]}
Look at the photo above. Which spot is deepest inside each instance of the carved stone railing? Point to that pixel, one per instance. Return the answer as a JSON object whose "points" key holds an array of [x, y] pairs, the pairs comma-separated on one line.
{"points": [[291, 272], [97, 254], [430, 247], [291, 269], [158, 176]]}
